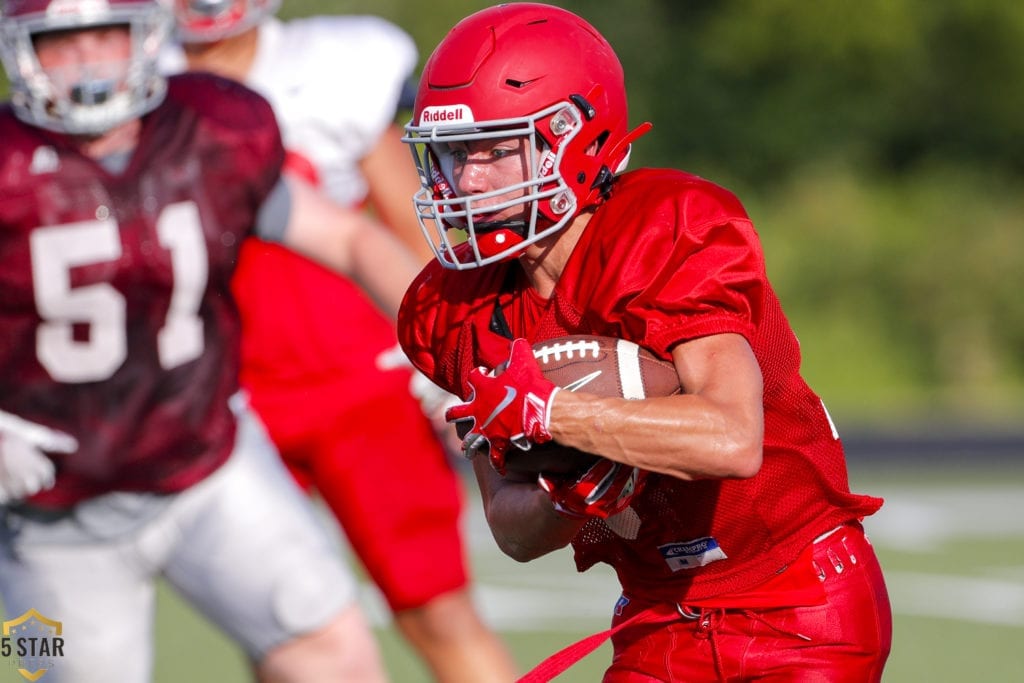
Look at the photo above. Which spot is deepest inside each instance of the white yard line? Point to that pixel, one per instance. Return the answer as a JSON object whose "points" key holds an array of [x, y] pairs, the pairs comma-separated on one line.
{"points": [[587, 606], [924, 520], [982, 601]]}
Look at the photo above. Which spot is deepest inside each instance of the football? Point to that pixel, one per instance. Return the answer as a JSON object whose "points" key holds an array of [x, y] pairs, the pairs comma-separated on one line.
{"points": [[597, 365]]}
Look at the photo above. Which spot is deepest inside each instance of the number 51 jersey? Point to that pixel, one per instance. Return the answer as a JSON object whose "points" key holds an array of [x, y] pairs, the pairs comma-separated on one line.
{"points": [[116, 320]]}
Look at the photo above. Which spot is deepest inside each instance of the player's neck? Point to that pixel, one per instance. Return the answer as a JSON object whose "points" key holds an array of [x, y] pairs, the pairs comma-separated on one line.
{"points": [[544, 261], [232, 57], [120, 140]]}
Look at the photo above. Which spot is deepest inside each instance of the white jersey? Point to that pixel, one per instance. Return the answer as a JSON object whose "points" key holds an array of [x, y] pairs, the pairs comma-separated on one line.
{"points": [[334, 83]]}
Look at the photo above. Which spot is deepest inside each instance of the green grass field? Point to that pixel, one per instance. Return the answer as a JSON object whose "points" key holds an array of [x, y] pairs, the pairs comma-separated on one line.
{"points": [[951, 542]]}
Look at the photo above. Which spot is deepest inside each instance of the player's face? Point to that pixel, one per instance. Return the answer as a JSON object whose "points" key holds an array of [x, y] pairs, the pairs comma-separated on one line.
{"points": [[85, 59], [480, 166]]}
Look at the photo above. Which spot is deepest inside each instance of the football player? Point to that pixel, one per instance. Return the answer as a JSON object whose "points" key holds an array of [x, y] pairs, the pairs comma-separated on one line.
{"points": [[729, 521], [335, 83], [126, 452]]}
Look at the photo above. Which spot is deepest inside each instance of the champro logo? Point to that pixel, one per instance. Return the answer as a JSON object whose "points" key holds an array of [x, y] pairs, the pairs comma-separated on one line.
{"points": [[454, 113], [32, 644], [692, 554]]}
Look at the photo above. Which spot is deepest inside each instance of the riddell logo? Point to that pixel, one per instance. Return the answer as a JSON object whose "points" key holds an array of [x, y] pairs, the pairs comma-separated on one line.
{"points": [[456, 113]]}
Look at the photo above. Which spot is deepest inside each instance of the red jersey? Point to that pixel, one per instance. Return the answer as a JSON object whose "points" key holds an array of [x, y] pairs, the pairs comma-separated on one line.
{"points": [[116, 321], [667, 258]]}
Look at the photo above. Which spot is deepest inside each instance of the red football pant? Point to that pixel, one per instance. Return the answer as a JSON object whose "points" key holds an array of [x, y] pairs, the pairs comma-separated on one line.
{"points": [[846, 640], [353, 432]]}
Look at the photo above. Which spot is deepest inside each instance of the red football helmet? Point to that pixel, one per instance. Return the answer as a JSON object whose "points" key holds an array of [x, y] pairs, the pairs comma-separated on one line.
{"points": [[207, 21], [90, 98], [521, 69]]}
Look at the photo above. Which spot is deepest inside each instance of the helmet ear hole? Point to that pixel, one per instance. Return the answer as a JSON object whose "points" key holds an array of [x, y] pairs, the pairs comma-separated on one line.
{"points": [[602, 176], [597, 144]]}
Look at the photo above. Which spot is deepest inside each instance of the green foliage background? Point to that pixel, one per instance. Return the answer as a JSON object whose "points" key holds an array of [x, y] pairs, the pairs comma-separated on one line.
{"points": [[879, 148]]}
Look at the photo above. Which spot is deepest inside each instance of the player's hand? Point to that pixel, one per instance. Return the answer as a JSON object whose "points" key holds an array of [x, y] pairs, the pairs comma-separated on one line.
{"points": [[25, 469], [604, 490], [507, 406]]}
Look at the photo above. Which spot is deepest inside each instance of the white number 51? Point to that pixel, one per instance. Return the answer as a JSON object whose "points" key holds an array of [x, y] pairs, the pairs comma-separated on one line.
{"points": [[57, 249]]}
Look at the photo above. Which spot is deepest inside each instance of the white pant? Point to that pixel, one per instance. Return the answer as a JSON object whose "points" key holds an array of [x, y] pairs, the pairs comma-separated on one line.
{"points": [[244, 546]]}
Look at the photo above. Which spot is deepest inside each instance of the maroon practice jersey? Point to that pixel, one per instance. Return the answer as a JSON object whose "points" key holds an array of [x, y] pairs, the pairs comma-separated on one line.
{"points": [[117, 324], [669, 257]]}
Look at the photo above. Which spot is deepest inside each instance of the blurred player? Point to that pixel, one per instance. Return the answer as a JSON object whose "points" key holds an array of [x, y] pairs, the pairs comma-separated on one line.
{"points": [[335, 83], [725, 511], [125, 451]]}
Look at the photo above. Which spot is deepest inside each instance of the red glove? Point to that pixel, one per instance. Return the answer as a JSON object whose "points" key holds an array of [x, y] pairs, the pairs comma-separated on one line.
{"points": [[604, 490], [506, 406]]}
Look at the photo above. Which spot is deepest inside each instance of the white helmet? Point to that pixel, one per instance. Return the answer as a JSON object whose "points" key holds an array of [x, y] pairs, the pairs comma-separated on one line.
{"points": [[207, 21], [90, 98]]}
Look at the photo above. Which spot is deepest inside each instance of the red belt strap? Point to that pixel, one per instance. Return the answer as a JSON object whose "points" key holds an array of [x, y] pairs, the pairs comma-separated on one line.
{"points": [[555, 664]]}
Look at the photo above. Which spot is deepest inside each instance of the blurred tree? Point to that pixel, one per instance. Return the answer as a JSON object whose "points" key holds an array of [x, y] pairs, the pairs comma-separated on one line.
{"points": [[880, 148], [756, 89]]}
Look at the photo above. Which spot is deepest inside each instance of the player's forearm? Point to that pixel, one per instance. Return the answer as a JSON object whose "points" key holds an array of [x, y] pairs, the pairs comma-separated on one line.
{"points": [[686, 436], [714, 429], [522, 519], [391, 182], [351, 243], [383, 266]]}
